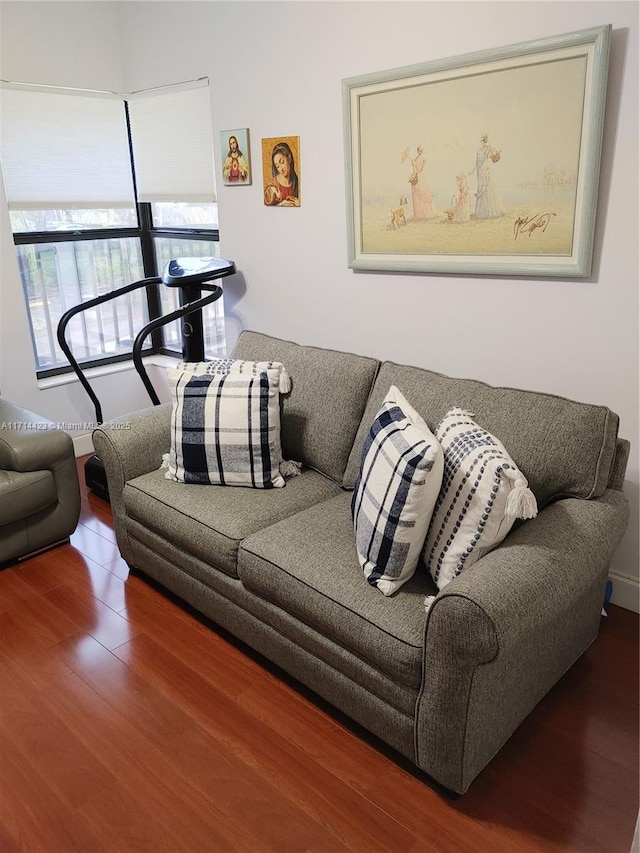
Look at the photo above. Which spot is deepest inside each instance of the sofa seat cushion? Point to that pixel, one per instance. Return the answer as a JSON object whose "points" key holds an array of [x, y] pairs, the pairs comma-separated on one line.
{"points": [[307, 565], [564, 448], [210, 521], [23, 493]]}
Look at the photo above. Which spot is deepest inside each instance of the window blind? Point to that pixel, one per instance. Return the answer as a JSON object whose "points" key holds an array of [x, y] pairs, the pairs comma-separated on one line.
{"points": [[64, 149], [172, 143]]}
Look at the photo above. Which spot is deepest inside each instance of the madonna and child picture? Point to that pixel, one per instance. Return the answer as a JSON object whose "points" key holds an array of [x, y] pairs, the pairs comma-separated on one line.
{"points": [[281, 171]]}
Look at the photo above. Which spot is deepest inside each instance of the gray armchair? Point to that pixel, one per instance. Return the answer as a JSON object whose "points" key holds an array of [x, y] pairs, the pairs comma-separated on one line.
{"points": [[39, 489]]}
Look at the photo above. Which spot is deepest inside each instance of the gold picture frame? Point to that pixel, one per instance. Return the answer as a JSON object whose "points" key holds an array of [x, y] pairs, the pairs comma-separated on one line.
{"points": [[281, 171]]}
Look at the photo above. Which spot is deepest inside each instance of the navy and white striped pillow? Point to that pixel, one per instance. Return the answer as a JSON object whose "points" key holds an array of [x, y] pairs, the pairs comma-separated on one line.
{"points": [[225, 429], [394, 495], [482, 494]]}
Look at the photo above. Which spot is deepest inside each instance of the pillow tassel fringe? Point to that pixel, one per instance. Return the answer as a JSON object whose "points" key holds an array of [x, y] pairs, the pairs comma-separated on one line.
{"points": [[521, 502], [428, 602], [284, 385], [288, 468], [165, 461]]}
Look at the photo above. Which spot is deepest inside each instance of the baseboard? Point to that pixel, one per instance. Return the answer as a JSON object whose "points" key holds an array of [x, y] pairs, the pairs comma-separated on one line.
{"points": [[626, 592], [82, 444]]}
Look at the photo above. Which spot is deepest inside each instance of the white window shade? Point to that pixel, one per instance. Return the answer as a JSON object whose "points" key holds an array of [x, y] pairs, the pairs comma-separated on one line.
{"points": [[64, 150], [172, 144]]}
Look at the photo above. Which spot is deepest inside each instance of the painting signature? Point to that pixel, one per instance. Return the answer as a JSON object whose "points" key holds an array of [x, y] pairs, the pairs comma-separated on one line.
{"points": [[529, 224]]}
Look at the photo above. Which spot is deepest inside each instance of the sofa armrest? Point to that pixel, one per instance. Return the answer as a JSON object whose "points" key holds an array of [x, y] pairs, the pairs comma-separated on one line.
{"points": [[29, 442], [130, 446], [619, 467], [500, 635]]}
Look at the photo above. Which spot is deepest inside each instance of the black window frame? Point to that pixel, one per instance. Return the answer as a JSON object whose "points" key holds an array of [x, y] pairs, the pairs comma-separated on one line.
{"points": [[145, 233]]}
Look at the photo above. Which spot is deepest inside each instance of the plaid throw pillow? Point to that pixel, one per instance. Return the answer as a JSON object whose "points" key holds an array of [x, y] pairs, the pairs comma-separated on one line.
{"points": [[394, 496], [483, 492], [225, 429]]}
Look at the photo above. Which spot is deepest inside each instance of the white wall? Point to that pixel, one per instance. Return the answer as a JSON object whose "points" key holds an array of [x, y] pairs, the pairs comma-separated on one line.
{"points": [[276, 68], [73, 44]]}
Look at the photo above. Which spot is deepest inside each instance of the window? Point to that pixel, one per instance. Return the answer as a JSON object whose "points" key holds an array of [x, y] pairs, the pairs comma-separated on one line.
{"points": [[58, 275], [103, 191]]}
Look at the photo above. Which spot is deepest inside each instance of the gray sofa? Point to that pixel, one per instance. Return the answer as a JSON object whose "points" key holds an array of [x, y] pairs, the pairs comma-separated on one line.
{"points": [[278, 568], [39, 490]]}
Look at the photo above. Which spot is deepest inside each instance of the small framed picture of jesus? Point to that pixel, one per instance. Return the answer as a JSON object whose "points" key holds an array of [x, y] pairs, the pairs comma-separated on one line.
{"points": [[235, 157]]}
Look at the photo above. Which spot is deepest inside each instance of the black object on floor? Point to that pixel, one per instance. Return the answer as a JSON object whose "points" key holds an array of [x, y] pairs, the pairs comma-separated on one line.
{"points": [[95, 477]]}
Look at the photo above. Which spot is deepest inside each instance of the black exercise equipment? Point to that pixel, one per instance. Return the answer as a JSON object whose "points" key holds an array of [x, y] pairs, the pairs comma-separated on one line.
{"points": [[191, 275]]}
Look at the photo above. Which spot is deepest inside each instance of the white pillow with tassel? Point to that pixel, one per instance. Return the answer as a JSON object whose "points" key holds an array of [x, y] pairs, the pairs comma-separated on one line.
{"points": [[483, 492], [288, 467]]}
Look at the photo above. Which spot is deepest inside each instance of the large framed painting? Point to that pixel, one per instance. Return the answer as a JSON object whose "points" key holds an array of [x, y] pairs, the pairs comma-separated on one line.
{"points": [[485, 163]]}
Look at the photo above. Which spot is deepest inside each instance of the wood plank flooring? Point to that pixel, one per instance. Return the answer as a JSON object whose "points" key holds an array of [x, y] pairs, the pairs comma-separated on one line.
{"points": [[127, 724]]}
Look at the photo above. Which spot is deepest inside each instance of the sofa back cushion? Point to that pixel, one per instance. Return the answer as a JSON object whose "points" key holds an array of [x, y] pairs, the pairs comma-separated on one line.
{"points": [[322, 411], [564, 448]]}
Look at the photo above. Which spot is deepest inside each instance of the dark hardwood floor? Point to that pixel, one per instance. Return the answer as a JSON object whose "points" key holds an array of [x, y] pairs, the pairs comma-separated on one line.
{"points": [[127, 724]]}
